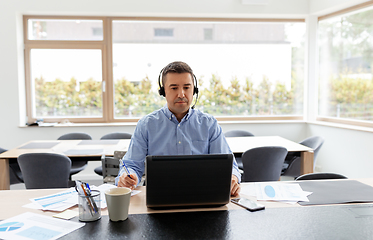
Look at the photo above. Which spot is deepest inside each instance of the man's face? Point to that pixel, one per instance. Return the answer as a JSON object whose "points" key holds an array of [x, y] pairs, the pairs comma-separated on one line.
{"points": [[179, 92]]}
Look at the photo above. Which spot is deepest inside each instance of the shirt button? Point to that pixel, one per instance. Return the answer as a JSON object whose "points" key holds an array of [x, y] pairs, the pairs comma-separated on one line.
{"points": [[178, 125], [179, 142]]}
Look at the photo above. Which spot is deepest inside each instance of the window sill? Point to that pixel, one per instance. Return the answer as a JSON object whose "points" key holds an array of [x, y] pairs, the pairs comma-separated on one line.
{"points": [[343, 126]]}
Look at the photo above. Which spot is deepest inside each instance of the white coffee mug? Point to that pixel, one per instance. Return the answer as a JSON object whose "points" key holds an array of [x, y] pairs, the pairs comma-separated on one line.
{"points": [[118, 202]]}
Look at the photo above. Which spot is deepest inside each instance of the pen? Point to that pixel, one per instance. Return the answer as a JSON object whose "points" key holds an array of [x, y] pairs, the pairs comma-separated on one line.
{"points": [[125, 168], [88, 198], [88, 189]]}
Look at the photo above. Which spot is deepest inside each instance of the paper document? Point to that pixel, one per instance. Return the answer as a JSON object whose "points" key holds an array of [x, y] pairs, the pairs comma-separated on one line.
{"points": [[63, 200], [35, 226], [55, 202], [280, 192]]}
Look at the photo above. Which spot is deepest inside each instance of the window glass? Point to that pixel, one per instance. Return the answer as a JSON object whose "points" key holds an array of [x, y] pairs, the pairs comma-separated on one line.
{"points": [[66, 83], [244, 69], [65, 29], [345, 66]]}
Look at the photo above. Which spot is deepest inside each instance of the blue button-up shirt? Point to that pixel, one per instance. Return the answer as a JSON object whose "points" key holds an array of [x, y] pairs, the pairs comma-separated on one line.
{"points": [[160, 133]]}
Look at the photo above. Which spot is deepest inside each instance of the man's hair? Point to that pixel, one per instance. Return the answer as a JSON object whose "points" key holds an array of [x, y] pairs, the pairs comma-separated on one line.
{"points": [[176, 67]]}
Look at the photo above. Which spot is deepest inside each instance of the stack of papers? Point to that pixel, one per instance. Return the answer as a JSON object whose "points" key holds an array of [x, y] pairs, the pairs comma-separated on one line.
{"points": [[67, 199], [36, 226], [277, 191]]}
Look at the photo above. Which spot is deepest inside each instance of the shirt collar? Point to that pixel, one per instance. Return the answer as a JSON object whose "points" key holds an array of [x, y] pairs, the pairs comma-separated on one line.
{"points": [[171, 116]]}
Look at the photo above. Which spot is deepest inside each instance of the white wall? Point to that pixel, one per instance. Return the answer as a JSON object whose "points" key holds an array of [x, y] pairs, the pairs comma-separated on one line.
{"points": [[336, 155], [322, 7]]}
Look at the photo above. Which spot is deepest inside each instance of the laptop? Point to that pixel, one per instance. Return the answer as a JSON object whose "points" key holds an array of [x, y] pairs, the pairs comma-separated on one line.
{"points": [[188, 180]]}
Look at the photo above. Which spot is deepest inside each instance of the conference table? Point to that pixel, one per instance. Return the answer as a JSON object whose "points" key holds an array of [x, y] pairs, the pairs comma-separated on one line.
{"points": [[93, 149], [279, 220]]}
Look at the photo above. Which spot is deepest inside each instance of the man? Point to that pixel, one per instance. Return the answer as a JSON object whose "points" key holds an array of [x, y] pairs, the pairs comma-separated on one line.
{"points": [[175, 129]]}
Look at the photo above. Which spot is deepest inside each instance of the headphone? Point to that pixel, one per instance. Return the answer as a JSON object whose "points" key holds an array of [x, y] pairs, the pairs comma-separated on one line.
{"points": [[163, 93]]}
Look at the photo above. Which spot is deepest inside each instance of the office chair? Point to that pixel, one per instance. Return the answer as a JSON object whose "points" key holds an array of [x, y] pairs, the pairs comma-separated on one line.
{"points": [[115, 135], [45, 170], [238, 133], [263, 163], [110, 166], [320, 176], [291, 166], [78, 164]]}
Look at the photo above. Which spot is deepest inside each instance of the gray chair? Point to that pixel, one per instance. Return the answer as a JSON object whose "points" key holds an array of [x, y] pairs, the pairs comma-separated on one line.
{"points": [[320, 176], [263, 163], [238, 133], [78, 164], [45, 170], [115, 135], [110, 166], [292, 161]]}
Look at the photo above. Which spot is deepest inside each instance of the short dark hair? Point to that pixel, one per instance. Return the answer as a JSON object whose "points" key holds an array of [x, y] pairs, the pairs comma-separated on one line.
{"points": [[176, 67]]}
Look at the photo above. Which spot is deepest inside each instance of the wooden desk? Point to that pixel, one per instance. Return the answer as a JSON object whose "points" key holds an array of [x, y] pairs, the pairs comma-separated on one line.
{"points": [[278, 221], [71, 148], [242, 144], [11, 202]]}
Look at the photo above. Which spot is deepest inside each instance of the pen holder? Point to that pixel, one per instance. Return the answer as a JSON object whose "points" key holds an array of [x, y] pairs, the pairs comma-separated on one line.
{"points": [[90, 206]]}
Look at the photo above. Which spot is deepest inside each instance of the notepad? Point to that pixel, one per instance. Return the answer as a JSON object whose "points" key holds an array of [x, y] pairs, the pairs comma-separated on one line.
{"points": [[68, 214], [334, 192]]}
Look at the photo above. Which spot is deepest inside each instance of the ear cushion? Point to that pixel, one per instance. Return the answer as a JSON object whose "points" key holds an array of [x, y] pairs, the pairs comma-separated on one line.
{"points": [[161, 92], [195, 90]]}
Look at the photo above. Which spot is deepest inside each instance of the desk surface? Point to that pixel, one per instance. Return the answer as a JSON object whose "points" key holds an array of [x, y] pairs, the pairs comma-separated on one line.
{"points": [[327, 222], [277, 221], [241, 144], [11, 202]]}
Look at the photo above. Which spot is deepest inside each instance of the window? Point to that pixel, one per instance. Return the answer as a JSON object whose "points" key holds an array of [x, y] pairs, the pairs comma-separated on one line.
{"points": [[345, 67], [248, 69], [102, 69], [64, 69]]}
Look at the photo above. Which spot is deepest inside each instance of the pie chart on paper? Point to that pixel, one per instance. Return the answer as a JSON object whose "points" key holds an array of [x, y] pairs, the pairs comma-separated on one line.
{"points": [[10, 226], [270, 191]]}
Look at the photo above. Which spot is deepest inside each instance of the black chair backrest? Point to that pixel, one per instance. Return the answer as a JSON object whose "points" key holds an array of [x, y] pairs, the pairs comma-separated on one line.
{"points": [[315, 143], [238, 133], [320, 176], [2, 150], [75, 136], [263, 163], [45, 170], [117, 135]]}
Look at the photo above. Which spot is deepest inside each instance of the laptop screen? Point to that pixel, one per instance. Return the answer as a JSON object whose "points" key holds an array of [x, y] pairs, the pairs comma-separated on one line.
{"points": [[188, 180]]}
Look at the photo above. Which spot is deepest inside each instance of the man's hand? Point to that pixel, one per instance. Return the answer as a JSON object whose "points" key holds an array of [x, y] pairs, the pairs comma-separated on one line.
{"points": [[235, 186], [126, 181]]}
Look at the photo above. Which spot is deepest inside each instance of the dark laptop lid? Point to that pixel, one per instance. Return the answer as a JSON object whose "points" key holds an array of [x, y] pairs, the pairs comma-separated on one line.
{"points": [[188, 180]]}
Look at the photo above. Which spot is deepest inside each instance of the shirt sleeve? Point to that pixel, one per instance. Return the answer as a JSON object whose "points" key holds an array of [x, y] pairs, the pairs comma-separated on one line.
{"points": [[136, 153], [218, 144]]}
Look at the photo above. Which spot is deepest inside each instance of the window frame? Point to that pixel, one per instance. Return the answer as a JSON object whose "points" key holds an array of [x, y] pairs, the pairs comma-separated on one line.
{"points": [[335, 120], [107, 65]]}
